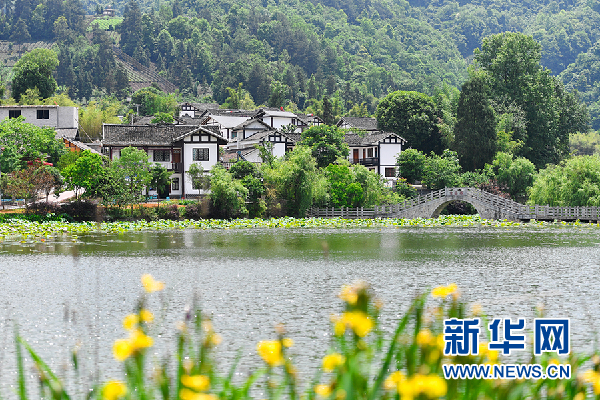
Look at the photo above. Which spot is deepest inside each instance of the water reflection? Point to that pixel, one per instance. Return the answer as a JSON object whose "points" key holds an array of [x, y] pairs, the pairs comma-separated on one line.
{"points": [[250, 280]]}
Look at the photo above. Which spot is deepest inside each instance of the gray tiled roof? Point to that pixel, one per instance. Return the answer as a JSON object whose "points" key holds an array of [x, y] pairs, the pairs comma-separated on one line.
{"points": [[69, 133], [204, 106], [230, 113], [363, 123], [368, 139], [251, 121], [147, 135]]}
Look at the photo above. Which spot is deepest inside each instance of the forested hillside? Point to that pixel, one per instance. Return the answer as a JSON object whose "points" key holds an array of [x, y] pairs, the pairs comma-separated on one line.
{"points": [[294, 53]]}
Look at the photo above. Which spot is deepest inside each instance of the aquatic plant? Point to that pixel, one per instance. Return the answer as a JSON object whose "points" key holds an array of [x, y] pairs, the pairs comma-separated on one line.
{"points": [[13, 228], [362, 363]]}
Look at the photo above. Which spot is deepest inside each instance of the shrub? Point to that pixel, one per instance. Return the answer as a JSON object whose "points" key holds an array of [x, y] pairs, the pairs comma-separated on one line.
{"points": [[79, 211], [198, 210], [41, 208], [170, 212]]}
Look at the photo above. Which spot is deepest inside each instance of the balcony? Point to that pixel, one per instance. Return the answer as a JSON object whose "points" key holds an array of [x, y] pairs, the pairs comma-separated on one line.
{"points": [[367, 162]]}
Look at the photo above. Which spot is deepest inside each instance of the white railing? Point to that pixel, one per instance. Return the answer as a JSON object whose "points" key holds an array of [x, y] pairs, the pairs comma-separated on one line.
{"points": [[488, 200]]}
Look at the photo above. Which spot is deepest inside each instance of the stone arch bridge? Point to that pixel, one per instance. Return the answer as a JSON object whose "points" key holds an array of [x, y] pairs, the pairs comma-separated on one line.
{"points": [[488, 206]]}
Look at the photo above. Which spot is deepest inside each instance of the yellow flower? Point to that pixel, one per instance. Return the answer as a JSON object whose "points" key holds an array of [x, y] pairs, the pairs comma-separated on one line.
{"points": [[215, 339], [146, 316], [590, 376], [114, 390], [443, 291], [270, 351], [424, 337], [287, 342], [151, 285], [476, 309], [434, 386], [440, 342], [122, 349], [394, 380], [349, 294], [360, 323], [339, 328], [199, 383], [130, 322], [187, 394], [207, 326], [331, 361], [323, 390], [431, 385], [139, 340]]}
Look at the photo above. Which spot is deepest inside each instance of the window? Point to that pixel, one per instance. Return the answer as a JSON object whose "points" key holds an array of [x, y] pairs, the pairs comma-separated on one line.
{"points": [[370, 152], [175, 184], [14, 113], [43, 114], [390, 172], [200, 154], [161, 156]]}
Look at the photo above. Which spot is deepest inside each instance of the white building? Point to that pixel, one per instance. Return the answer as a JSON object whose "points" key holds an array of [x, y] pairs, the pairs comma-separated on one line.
{"points": [[176, 147], [51, 116]]}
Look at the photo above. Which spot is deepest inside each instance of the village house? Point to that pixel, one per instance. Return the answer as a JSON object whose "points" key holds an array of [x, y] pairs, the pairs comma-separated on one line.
{"points": [[376, 150], [195, 110], [278, 118], [176, 147], [224, 120], [370, 147], [366, 124], [64, 120]]}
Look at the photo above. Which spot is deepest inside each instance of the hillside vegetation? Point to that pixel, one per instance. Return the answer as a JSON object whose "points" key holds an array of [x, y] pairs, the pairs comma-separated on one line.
{"points": [[295, 53]]}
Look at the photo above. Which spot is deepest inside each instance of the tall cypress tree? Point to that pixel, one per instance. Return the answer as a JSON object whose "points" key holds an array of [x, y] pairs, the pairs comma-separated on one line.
{"points": [[475, 130]]}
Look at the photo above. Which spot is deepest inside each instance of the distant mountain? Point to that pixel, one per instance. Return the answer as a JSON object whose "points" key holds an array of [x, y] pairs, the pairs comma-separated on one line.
{"points": [[352, 51]]}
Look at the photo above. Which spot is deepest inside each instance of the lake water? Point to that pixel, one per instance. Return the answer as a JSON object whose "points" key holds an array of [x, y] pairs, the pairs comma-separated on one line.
{"points": [[64, 293]]}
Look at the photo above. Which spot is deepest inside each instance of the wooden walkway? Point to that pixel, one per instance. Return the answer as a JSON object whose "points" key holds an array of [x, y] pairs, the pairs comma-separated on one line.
{"points": [[488, 205]]}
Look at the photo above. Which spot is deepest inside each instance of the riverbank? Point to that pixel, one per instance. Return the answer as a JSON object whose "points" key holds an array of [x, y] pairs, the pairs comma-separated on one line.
{"points": [[24, 228]]}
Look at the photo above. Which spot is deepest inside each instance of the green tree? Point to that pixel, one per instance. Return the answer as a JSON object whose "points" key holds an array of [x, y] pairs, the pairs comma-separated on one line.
{"points": [[475, 130], [85, 173], [512, 61], [95, 114], [161, 180], [573, 182], [132, 171], [516, 174], [442, 171], [294, 180], [24, 142], [228, 195], [151, 100], [34, 70], [162, 118], [344, 191], [198, 178], [327, 143], [411, 163], [413, 116]]}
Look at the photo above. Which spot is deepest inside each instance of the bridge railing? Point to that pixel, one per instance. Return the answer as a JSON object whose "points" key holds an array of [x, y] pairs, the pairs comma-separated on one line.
{"points": [[486, 199]]}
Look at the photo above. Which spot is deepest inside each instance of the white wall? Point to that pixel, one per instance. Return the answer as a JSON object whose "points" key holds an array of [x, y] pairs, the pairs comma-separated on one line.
{"points": [[207, 165], [59, 117], [388, 153], [387, 156], [279, 149]]}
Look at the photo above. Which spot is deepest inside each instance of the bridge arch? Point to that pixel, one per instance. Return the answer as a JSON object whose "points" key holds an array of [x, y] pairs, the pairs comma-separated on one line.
{"points": [[437, 211]]}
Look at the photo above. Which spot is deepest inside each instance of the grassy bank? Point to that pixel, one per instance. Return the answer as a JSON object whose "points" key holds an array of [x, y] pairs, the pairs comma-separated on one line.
{"points": [[12, 228], [362, 363]]}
